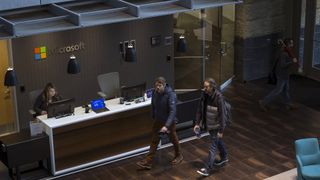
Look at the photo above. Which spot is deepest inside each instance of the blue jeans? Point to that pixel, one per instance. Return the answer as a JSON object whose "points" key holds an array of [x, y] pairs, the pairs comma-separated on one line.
{"points": [[282, 88], [215, 143]]}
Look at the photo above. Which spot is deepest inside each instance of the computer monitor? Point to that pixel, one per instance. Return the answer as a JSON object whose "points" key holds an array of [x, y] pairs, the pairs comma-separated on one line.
{"points": [[133, 92], [61, 108]]}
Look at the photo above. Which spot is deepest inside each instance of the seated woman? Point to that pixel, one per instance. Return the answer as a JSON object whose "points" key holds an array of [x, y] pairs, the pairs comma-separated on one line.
{"points": [[48, 95]]}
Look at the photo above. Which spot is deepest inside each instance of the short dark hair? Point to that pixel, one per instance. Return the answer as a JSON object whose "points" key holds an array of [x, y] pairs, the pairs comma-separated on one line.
{"points": [[287, 41], [160, 80], [212, 82]]}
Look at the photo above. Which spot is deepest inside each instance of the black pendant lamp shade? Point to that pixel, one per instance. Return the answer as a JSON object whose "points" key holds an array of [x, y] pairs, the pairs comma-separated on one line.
{"points": [[131, 55], [10, 78], [182, 44], [73, 65]]}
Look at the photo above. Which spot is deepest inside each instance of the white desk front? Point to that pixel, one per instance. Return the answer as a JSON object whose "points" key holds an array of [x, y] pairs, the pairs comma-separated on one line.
{"points": [[86, 139]]}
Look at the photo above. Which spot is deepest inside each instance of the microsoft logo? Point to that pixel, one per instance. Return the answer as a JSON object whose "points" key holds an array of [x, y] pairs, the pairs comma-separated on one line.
{"points": [[40, 53]]}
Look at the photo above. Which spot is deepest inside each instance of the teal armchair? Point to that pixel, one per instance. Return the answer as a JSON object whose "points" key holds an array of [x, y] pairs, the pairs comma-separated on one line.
{"points": [[308, 159]]}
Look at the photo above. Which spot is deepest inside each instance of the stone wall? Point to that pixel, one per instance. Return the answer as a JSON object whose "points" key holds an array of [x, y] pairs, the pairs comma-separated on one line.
{"points": [[259, 24]]}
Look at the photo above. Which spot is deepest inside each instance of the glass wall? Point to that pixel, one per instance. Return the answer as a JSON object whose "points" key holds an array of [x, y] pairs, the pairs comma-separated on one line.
{"points": [[302, 30], [208, 36], [316, 39], [188, 60], [7, 121]]}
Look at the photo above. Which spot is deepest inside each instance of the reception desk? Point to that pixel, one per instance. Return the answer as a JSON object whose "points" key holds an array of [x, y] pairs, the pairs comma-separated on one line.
{"points": [[87, 139]]}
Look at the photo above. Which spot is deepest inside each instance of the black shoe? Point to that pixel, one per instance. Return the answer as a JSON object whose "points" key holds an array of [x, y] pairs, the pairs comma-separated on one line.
{"points": [[221, 162], [203, 172]]}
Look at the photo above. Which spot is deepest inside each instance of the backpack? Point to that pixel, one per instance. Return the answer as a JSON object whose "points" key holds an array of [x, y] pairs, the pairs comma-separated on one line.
{"points": [[228, 113]]}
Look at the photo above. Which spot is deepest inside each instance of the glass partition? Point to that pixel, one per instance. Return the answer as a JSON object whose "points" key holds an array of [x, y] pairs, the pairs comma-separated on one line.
{"points": [[8, 120], [204, 46], [316, 39]]}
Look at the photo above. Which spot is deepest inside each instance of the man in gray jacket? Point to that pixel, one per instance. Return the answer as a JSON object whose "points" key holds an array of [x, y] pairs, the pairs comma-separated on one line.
{"points": [[163, 104], [211, 115]]}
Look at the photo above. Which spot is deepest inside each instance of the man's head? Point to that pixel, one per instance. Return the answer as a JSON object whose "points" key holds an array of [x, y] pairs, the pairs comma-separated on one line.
{"points": [[160, 84], [209, 85], [288, 42]]}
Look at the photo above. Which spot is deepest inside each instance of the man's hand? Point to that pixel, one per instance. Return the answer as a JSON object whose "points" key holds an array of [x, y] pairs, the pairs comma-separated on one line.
{"points": [[195, 127], [220, 135], [164, 129], [295, 60]]}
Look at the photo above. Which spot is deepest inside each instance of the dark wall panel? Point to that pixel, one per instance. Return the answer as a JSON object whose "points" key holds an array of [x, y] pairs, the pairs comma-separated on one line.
{"points": [[255, 56], [99, 55]]}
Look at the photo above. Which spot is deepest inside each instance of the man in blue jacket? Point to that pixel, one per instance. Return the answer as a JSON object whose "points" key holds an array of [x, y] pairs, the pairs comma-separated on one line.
{"points": [[164, 114]]}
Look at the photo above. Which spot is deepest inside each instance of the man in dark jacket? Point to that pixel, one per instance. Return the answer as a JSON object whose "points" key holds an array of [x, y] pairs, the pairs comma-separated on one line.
{"points": [[211, 115], [164, 113], [283, 66]]}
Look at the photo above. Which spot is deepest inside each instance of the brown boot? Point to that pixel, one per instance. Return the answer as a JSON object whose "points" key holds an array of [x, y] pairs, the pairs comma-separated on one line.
{"points": [[177, 159], [144, 164]]}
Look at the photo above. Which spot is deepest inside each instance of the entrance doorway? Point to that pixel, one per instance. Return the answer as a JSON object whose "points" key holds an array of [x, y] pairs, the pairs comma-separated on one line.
{"points": [[209, 37], [309, 51], [8, 120]]}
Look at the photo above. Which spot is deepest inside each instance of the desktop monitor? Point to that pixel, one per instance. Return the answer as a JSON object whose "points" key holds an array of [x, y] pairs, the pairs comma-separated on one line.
{"points": [[133, 92], [61, 108]]}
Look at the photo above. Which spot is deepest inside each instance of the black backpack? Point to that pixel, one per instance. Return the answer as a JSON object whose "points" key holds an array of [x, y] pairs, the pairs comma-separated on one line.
{"points": [[228, 113]]}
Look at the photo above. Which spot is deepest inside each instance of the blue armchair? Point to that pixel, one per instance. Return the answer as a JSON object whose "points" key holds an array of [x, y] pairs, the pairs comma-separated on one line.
{"points": [[308, 159]]}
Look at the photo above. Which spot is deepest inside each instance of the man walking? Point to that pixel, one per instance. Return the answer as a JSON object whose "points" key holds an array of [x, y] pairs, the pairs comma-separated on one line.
{"points": [[285, 62], [164, 114], [211, 115]]}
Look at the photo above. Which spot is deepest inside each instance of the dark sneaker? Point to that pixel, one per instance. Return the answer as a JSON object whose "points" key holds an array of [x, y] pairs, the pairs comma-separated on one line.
{"points": [[177, 160], [203, 172], [221, 162], [144, 164], [262, 106]]}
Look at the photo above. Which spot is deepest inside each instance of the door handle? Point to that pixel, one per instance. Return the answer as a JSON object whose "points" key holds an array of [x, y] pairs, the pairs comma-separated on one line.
{"points": [[223, 48], [7, 93]]}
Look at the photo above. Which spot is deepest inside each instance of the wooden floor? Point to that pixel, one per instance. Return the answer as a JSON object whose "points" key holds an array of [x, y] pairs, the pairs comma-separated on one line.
{"points": [[260, 144]]}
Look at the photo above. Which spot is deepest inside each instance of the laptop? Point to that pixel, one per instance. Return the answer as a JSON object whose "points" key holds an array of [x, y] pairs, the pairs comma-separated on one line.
{"points": [[98, 106]]}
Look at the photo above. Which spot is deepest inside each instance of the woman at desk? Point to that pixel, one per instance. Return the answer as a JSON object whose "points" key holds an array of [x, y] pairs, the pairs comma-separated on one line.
{"points": [[48, 95]]}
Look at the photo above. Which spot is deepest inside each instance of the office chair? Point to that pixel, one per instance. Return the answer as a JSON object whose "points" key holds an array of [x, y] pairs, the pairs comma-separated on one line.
{"points": [[32, 98], [308, 158], [109, 85]]}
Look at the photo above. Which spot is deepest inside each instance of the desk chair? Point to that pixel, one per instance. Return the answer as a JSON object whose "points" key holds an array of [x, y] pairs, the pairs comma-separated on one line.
{"points": [[32, 98], [109, 85]]}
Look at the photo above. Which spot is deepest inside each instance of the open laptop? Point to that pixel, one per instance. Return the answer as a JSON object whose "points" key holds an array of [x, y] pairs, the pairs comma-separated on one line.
{"points": [[98, 106]]}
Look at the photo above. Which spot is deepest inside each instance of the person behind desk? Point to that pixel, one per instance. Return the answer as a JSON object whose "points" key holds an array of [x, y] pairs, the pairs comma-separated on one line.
{"points": [[48, 95]]}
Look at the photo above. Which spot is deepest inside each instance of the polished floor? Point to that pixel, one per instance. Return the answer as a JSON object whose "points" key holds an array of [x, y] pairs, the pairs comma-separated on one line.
{"points": [[260, 144]]}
